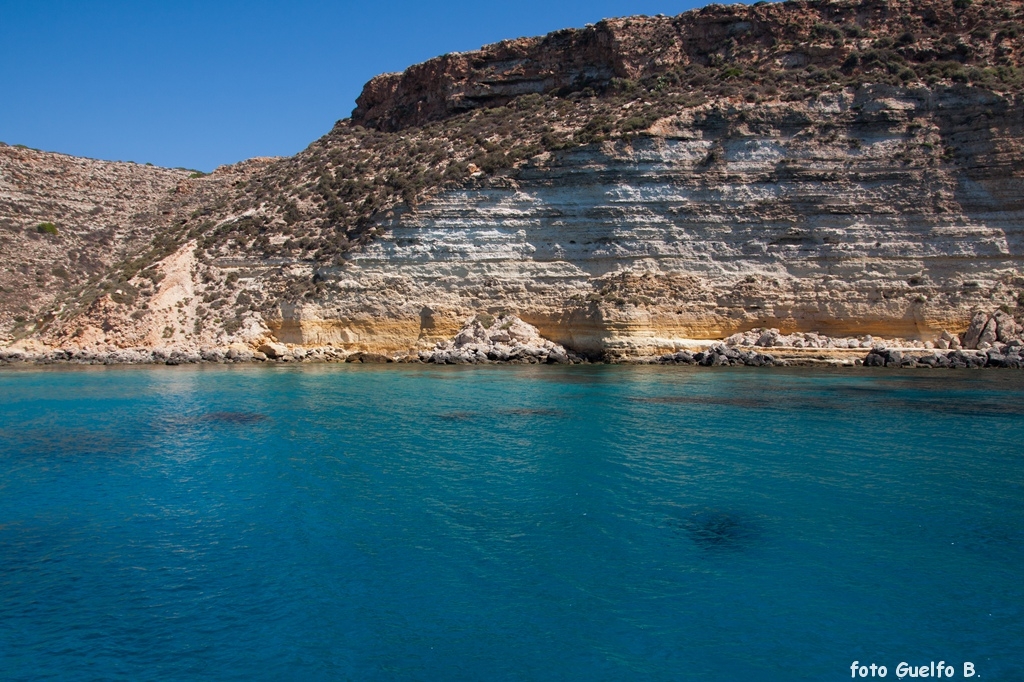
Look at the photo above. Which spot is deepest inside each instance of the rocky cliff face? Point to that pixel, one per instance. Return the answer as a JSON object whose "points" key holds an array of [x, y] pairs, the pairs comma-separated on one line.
{"points": [[75, 233], [849, 168], [64, 221], [848, 215], [793, 43]]}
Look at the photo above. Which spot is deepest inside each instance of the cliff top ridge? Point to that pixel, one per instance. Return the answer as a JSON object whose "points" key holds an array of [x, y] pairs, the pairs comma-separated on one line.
{"points": [[835, 40]]}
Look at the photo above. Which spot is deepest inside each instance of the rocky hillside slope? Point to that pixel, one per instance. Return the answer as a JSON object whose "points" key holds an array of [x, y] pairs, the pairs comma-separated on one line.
{"points": [[73, 230], [843, 167]]}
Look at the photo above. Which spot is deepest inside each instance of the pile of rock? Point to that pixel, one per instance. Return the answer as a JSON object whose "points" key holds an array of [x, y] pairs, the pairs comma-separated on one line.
{"points": [[236, 353], [505, 338], [79, 356], [990, 341], [365, 358], [998, 355], [719, 355], [985, 331], [273, 351], [773, 338]]}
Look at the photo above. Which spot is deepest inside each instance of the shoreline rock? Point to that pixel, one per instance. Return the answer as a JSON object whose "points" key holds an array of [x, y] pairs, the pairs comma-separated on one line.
{"points": [[503, 339], [990, 341], [1001, 356], [720, 355], [717, 355]]}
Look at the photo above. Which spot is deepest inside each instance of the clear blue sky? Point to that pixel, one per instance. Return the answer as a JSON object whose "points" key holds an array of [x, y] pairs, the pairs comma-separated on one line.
{"points": [[199, 84]]}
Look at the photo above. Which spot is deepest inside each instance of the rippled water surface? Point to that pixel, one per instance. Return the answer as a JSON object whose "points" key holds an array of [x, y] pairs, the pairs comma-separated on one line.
{"points": [[592, 523]]}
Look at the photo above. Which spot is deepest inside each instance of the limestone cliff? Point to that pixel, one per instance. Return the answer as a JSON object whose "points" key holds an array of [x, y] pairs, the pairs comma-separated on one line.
{"points": [[842, 167], [850, 221]]}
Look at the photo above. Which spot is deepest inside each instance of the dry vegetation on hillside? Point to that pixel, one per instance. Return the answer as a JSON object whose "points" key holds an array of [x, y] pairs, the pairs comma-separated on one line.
{"points": [[324, 201], [709, 64]]}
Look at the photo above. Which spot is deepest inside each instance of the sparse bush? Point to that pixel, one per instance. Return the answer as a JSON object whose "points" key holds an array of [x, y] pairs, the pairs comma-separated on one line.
{"points": [[823, 31], [907, 38]]}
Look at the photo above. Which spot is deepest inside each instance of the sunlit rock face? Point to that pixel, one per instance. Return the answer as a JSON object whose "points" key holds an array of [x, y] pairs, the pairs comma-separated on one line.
{"points": [[895, 212], [635, 187]]}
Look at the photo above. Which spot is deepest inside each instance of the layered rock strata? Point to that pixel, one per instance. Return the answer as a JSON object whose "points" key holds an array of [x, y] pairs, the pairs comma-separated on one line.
{"points": [[887, 211]]}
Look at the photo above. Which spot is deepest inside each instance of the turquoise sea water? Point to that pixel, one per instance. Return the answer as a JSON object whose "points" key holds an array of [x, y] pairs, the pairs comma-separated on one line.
{"points": [[549, 523]]}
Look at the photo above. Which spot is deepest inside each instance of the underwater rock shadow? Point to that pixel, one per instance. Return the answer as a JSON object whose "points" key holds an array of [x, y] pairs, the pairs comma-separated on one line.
{"points": [[715, 530], [973, 408], [465, 415], [458, 416], [58, 442], [173, 424], [991, 539], [888, 397], [753, 403], [233, 418], [531, 412]]}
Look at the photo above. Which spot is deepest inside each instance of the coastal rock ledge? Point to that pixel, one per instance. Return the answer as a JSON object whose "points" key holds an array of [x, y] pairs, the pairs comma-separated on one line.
{"points": [[991, 341]]}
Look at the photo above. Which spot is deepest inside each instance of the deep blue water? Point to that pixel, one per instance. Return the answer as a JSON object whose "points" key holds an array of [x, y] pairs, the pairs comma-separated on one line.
{"points": [[591, 523]]}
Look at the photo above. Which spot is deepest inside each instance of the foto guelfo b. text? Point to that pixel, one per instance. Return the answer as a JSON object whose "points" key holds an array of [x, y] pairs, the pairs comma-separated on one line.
{"points": [[932, 669]]}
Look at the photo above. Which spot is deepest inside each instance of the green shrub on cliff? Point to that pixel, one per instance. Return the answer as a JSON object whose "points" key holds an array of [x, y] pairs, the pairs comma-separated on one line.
{"points": [[46, 228]]}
